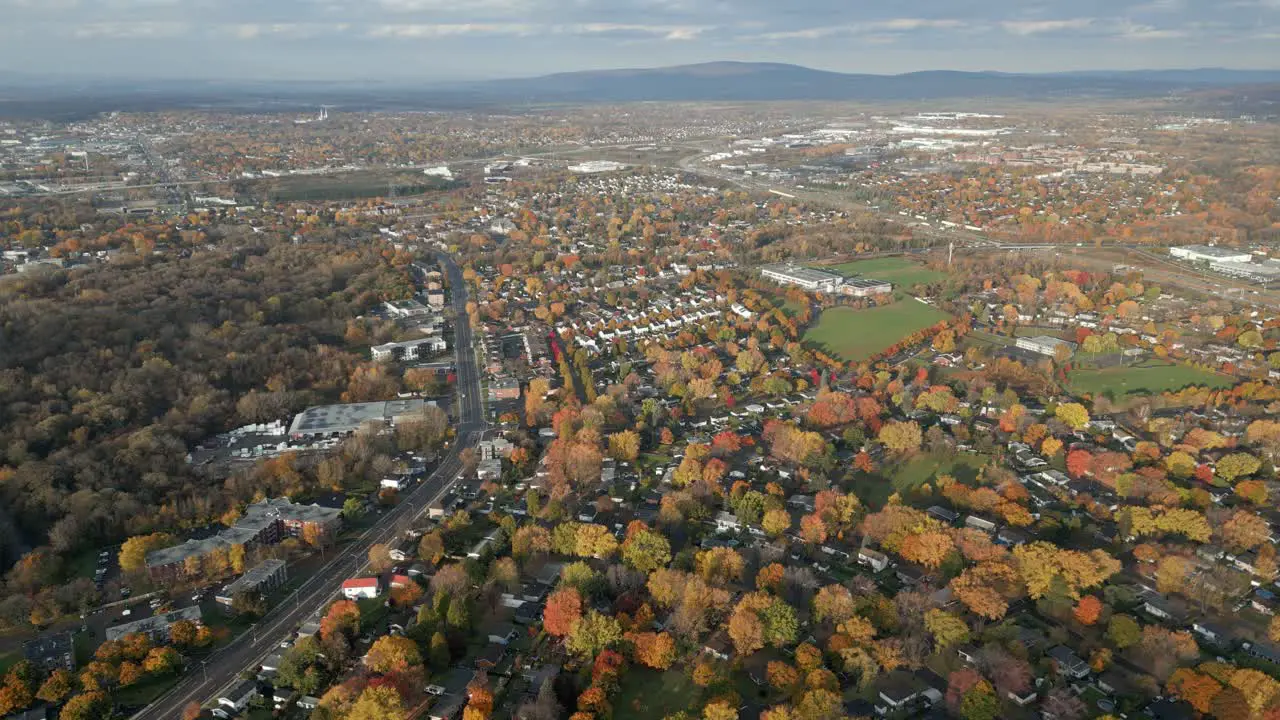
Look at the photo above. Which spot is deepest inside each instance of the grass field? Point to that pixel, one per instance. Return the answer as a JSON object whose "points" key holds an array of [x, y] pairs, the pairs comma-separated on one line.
{"points": [[858, 334], [902, 273], [1144, 379], [651, 695], [874, 490]]}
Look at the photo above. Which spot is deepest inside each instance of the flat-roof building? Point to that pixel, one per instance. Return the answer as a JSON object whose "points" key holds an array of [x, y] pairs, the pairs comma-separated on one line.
{"points": [[807, 278], [337, 420], [263, 578], [865, 287], [157, 626], [264, 523], [1267, 271], [1209, 253], [1044, 345], [410, 349], [405, 308]]}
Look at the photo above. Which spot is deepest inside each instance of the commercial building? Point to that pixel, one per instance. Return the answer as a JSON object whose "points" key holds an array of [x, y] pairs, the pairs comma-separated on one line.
{"points": [[262, 579], [405, 308], [264, 523], [1046, 345], [596, 166], [338, 420], [866, 287], [410, 349], [155, 627], [504, 388], [807, 278], [1209, 253], [1264, 272]]}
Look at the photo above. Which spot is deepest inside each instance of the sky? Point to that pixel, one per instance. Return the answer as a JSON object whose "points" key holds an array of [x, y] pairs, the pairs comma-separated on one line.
{"points": [[435, 40]]}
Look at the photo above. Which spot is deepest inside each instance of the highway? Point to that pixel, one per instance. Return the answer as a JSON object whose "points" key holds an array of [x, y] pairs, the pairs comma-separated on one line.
{"points": [[203, 682]]}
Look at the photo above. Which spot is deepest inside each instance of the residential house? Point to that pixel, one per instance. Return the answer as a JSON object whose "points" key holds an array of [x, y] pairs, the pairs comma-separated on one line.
{"points": [[355, 588], [902, 691], [1068, 662], [874, 559], [236, 699], [718, 646]]}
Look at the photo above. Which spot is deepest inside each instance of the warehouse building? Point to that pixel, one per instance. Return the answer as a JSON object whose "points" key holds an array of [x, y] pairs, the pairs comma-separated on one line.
{"points": [[866, 287], [1209, 254], [339, 420], [1264, 272], [807, 278]]}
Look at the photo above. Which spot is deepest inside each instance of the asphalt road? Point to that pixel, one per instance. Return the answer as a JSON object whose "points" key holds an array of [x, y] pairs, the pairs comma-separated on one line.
{"points": [[204, 682]]}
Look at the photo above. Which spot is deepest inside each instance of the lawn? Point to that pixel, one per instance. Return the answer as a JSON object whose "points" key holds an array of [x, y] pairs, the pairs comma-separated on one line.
{"points": [[651, 695], [855, 335], [874, 490], [1145, 378], [899, 271]]}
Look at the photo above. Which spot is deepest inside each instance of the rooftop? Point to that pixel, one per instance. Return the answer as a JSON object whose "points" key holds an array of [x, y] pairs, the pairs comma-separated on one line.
{"points": [[349, 417], [799, 272]]}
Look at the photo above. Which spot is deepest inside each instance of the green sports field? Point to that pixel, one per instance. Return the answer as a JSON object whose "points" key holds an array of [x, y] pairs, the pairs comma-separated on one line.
{"points": [[854, 335], [1145, 378], [901, 272]]}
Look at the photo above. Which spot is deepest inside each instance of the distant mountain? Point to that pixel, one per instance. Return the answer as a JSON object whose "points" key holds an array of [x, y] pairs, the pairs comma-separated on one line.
{"points": [[775, 81], [75, 97]]}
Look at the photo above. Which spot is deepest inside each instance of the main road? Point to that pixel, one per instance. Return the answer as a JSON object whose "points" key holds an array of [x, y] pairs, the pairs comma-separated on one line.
{"points": [[203, 682]]}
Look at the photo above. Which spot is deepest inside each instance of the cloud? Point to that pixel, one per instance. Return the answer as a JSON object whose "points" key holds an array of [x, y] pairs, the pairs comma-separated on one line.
{"points": [[132, 30], [1044, 27], [292, 31], [1136, 31], [881, 30], [454, 7], [443, 30]]}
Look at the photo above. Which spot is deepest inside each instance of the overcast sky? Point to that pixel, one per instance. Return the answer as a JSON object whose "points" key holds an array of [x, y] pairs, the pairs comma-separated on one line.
{"points": [[466, 39]]}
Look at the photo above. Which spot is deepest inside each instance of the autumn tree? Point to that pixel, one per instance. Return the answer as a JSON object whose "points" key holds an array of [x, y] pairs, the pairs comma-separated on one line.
{"points": [[646, 550], [562, 611], [133, 553], [393, 654], [592, 633], [901, 437], [654, 650], [342, 618], [1087, 610]]}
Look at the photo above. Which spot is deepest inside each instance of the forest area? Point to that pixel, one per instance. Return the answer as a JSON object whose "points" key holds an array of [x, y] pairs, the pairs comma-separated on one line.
{"points": [[108, 375]]}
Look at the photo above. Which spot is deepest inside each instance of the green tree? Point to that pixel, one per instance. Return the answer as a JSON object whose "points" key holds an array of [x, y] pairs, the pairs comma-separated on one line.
{"points": [[646, 551], [947, 629], [1123, 631], [1237, 465], [592, 633]]}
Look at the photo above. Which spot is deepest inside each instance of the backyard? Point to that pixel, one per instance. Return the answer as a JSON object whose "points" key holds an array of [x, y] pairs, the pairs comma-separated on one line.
{"points": [[855, 335], [651, 695], [1145, 378]]}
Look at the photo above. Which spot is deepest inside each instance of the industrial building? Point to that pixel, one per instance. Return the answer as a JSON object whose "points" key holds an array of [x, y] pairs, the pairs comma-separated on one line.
{"points": [[866, 287], [1209, 254], [338, 420], [1044, 345], [1264, 272], [262, 579], [410, 349], [596, 166], [807, 278]]}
